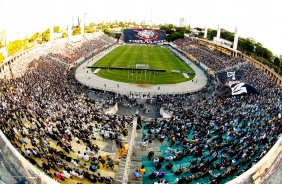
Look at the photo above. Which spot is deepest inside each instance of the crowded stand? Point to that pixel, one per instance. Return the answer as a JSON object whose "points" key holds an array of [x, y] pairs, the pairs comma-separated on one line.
{"points": [[214, 59], [53, 123], [211, 138]]}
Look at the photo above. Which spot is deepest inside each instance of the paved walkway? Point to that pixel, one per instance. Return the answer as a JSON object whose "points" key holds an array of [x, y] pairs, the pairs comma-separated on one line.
{"points": [[85, 76]]}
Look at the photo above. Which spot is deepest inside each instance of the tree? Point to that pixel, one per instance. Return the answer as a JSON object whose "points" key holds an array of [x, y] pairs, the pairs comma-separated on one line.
{"points": [[201, 35], [39, 41], [46, 35], [175, 36], [14, 47], [199, 29], [211, 34], [92, 24], [88, 29], [277, 61], [64, 35], [25, 44], [187, 30], [56, 29], [178, 29], [1, 45], [106, 31], [117, 35], [76, 31], [169, 29], [1, 58], [171, 26], [263, 52], [227, 35], [33, 37], [245, 45]]}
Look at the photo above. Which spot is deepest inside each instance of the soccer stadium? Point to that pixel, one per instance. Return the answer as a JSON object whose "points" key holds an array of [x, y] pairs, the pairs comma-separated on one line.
{"points": [[132, 103]]}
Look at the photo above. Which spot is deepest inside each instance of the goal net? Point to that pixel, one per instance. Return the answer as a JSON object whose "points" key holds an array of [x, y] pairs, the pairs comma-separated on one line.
{"points": [[142, 66]]}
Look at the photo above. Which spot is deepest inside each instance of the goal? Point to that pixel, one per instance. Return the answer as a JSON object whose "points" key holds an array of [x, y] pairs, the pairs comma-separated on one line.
{"points": [[142, 66]]}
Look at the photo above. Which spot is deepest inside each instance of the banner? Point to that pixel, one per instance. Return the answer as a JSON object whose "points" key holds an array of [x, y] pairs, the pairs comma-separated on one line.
{"points": [[226, 77], [237, 88], [144, 36]]}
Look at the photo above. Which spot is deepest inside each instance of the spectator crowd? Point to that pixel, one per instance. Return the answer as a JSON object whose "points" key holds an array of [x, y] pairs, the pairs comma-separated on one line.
{"points": [[48, 116], [50, 119], [214, 59], [210, 138]]}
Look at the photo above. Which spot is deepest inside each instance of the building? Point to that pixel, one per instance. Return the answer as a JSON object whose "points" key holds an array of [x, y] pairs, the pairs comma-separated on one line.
{"points": [[182, 22]]}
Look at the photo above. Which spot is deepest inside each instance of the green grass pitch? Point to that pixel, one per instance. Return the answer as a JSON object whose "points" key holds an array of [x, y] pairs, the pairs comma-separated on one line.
{"points": [[155, 56]]}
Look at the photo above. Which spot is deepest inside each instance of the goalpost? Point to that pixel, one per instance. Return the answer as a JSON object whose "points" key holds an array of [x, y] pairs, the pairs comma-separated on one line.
{"points": [[145, 74], [141, 66]]}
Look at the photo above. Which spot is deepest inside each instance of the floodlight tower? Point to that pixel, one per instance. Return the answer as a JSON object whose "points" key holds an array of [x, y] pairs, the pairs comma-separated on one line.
{"points": [[206, 33], [82, 24], [70, 28], [218, 32], [51, 32], [235, 43]]}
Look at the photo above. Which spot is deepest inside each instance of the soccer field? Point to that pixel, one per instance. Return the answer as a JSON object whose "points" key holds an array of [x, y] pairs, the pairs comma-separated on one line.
{"points": [[154, 57]]}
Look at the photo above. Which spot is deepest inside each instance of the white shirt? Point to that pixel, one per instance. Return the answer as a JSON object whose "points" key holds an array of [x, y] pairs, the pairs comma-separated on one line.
{"points": [[86, 157], [73, 173], [79, 155], [66, 174], [74, 163]]}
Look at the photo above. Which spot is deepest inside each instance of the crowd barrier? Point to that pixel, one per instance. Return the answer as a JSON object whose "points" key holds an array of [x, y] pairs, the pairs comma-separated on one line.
{"points": [[27, 171]]}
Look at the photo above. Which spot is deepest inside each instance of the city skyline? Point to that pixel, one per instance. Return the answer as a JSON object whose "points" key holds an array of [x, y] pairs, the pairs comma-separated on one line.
{"points": [[258, 20]]}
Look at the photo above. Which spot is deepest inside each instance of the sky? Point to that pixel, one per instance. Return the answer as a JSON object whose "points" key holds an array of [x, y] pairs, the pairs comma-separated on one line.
{"points": [[259, 19]]}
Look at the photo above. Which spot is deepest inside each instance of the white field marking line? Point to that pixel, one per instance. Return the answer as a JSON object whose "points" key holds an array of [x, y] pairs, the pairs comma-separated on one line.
{"points": [[97, 70], [185, 75]]}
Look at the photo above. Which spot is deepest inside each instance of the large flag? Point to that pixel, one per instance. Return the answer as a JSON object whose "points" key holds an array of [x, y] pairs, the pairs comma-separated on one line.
{"points": [[237, 88], [237, 75]]}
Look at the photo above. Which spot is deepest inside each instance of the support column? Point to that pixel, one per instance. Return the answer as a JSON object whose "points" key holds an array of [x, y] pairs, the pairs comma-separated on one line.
{"points": [[51, 32], [206, 33], [69, 28], [235, 43], [218, 32], [82, 24]]}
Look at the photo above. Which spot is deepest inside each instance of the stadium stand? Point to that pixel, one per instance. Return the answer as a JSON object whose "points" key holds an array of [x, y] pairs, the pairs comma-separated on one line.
{"points": [[214, 59], [48, 118], [54, 123], [211, 139]]}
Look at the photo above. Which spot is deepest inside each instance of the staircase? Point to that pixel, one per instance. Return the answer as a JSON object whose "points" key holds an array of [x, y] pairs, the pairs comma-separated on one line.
{"points": [[124, 168]]}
